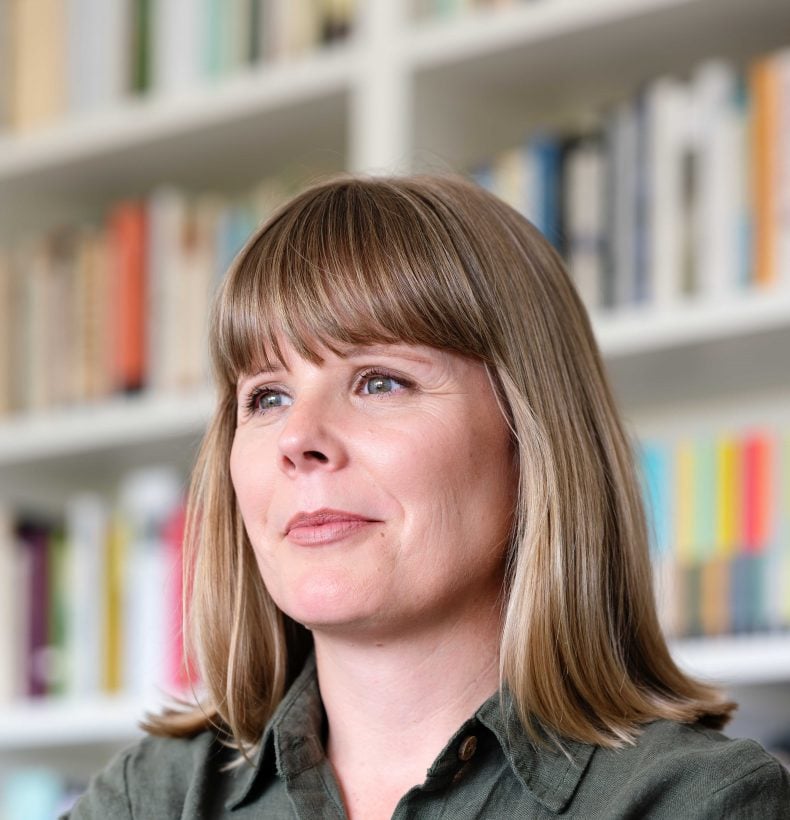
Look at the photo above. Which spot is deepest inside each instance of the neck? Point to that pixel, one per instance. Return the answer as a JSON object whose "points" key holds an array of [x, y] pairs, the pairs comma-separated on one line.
{"points": [[393, 703]]}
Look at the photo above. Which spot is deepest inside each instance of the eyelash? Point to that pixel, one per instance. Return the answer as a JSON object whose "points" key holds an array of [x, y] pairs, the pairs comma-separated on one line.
{"points": [[252, 399]]}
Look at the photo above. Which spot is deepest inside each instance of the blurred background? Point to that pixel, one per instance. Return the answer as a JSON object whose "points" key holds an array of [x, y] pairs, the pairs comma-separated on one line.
{"points": [[141, 141]]}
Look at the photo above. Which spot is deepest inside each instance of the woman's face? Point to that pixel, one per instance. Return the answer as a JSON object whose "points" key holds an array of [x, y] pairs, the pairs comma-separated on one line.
{"points": [[376, 488]]}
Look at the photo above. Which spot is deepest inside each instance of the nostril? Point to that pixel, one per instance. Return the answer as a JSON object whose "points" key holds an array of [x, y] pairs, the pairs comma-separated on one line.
{"points": [[318, 456]]}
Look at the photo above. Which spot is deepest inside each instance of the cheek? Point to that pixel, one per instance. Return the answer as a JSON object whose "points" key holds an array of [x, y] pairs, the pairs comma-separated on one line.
{"points": [[252, 482]]}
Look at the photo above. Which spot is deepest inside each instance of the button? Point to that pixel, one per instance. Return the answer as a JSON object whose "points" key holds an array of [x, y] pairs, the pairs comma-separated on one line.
{"points": [[467, 747]]}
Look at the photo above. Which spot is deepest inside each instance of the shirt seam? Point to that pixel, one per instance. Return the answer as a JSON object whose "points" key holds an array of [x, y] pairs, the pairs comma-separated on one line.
{"points": [[768, 764], [126, 759]]}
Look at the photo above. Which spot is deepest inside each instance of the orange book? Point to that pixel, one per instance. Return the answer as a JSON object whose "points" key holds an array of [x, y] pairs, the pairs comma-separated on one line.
{"points": [[764, 86], [128, 236]]}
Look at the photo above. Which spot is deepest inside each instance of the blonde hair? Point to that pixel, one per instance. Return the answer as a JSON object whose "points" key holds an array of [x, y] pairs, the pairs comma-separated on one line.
{"points": [[438, 261]]}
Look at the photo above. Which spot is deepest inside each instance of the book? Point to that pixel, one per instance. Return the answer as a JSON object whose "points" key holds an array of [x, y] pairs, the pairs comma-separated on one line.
{"points": [[38, 63], [86, 526], [127, 226], [97, 48], [147, 498], [583, 218], [9, 609], [764, 85], [720, 163], [718, 511], [668, 140]]}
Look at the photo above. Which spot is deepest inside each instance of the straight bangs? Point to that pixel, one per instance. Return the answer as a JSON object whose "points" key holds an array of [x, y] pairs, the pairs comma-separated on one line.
{"points": [[340, 266]]}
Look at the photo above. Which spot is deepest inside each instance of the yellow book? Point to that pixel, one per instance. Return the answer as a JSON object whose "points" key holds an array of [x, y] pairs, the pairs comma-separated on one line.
{"points": [[113, 606], [684, 503], [728, 502]]}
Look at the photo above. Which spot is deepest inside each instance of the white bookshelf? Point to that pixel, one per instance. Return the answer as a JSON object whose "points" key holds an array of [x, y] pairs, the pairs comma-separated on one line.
{"points": [[397, 96], [64, 723], [61, 722]]}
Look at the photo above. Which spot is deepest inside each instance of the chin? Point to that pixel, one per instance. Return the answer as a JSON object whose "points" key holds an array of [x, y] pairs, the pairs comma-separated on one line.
{"points": [[325, 600]]}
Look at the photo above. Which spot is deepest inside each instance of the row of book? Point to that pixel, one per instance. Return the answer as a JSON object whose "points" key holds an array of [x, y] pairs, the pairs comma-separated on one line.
{"points": [[62, 58], [682, 192], [121, 304], [719, 513], [90, 602], [426, 9]]}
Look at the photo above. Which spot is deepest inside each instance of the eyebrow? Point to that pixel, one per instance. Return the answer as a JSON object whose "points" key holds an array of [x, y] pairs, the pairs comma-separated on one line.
{"points": [[355, 351]]}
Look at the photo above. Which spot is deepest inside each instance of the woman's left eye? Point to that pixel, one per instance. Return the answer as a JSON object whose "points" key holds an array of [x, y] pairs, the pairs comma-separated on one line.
{"points": [[378, 383]]}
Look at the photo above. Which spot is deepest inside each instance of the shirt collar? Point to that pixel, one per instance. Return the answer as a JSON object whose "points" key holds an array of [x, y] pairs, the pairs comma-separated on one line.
{"points": [[551, 774], [291, 743], [291, 740]]}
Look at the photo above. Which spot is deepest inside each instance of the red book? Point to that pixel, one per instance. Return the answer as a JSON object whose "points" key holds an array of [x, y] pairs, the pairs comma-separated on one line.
{"points": [[757, 492], [180, 676], [128, 238]]}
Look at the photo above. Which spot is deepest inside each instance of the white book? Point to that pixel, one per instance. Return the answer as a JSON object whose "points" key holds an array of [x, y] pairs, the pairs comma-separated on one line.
{"points": [[35, 342], [147, 498], [272, 16], [176, 42], [624, 181], [87, 523], [9, 605], [512, 172], [6, 331], [98, 43], [583, 195], [199, 275], [719, 161], [668, 140], [167, 211]]}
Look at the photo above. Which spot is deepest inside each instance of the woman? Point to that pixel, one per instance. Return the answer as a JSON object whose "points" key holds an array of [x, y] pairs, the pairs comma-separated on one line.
{"points": [[417, 554]]}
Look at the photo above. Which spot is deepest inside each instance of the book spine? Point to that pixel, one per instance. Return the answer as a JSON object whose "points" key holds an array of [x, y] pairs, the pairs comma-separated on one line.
{"points": [[129, 249], [764, 83], [86, 536], [9, 606]]}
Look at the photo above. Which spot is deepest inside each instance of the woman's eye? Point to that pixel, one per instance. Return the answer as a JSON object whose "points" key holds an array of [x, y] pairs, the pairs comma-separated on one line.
{"points": [[379, 383], [262, 400]]}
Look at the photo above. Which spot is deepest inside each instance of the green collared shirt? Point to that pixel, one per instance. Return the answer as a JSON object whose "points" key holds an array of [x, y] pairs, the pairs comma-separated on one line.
{"points": [[488, 769]]}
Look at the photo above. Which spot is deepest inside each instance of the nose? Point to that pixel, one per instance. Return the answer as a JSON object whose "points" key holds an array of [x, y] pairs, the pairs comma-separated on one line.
{"points": [[310, 439]]}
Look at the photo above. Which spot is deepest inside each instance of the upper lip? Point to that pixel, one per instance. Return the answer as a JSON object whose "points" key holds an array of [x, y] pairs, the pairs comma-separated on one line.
{"points": [[322, 516]]}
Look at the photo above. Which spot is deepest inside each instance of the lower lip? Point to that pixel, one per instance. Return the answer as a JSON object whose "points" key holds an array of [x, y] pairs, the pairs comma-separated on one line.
{"points": [[328, 533]]}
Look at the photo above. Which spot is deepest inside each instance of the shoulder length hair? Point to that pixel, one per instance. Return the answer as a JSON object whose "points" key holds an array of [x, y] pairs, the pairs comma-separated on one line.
{"points": [[438, 261]]}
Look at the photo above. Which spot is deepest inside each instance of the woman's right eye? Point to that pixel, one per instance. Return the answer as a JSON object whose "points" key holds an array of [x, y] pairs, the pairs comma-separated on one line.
{"points": [[263, 399]]}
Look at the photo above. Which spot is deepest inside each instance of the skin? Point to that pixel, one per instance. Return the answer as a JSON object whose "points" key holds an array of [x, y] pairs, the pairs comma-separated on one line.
{"points": [[405, 608]]}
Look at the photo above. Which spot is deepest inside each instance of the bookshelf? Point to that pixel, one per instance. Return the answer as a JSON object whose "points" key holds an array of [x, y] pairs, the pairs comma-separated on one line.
{"points": [[398, 95]]}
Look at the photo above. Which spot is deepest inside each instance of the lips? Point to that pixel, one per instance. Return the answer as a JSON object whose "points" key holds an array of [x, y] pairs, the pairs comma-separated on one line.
{"points": [[324, 526]]}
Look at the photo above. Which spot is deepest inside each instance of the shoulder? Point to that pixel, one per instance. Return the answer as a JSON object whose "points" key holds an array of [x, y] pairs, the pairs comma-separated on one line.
{"points": [[690, 771], [159, 777]]}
